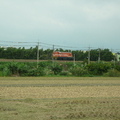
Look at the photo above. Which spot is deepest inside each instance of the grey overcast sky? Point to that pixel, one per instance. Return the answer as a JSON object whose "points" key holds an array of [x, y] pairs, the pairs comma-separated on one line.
{"points": [[77, 23]]}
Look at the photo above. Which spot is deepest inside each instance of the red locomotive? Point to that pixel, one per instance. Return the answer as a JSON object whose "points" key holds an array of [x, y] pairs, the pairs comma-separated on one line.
{"points": [[62, 55]]}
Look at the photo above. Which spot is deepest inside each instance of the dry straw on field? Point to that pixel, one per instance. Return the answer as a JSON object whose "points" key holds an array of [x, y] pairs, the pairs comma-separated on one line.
{"points": [[19, 88], [59, 92], [80, 98]]}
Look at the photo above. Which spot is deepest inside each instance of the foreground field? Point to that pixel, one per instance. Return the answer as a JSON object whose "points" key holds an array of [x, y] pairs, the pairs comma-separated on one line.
{"points": [[60, 98]]}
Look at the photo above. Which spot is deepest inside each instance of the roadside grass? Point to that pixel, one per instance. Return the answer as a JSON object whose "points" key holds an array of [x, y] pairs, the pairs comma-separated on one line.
{"points": [[59, 98]]}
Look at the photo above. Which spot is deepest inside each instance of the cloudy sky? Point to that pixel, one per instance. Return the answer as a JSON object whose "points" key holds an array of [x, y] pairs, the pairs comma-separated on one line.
{"points": [[74, 23]]}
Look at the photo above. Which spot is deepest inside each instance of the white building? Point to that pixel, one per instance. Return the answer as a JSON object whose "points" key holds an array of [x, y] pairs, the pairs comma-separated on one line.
{"points": [[118, 57]]}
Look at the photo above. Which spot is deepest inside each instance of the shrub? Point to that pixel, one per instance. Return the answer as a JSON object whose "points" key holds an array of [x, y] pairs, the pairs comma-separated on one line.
{"points": [[57, 69], [36, 72], [69, 64], [112, 73], [18, 68], [22, 68], [117, 67], [2, 67], [79, 71], [44, 64], [98, 68], [64, 73], [12, 66], [6, 72]]}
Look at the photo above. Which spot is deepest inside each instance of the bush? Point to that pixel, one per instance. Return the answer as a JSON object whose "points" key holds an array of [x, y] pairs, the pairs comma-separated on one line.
{"points": [[57, 69], [69, 64], [6, 72], [18, 68], [22, 68], [64, 73], [44, 64], [98, 68], [79, 71], [12, 66], [117, 67], [36, 72], [2, 67], [112, 73]]}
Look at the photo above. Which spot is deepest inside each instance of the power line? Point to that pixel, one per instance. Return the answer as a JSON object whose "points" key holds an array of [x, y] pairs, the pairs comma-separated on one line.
{"points": [[46, 45], [16, 42]]}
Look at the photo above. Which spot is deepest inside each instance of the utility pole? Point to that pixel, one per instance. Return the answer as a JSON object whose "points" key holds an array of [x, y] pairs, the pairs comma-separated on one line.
{"points": [[114, 60], [88, 55], [99, 56], [74, 59], [114, 57], [53, 48], [38, 54], [53, 58]]}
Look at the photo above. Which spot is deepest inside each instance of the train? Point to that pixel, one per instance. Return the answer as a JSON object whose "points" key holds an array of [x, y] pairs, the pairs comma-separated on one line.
{"points": [[62, 55]]}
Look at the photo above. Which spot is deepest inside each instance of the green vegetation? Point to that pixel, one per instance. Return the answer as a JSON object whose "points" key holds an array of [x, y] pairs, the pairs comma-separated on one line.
{"points": [[79, 71], [112, 73], [98, 68], [53, 68], [57, 69], [31, 53], [50, 68]]}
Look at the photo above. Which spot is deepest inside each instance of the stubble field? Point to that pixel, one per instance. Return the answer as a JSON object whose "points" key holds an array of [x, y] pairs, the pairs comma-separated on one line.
{"points": [[59, 98]]}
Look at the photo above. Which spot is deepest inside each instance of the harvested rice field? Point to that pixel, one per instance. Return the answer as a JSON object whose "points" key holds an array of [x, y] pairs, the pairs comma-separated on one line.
{"points": [[60, 98]]}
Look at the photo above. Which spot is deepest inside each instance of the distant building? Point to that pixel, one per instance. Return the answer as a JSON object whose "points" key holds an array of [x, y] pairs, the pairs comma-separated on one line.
{"points": [[3, 47], [118, 57]]}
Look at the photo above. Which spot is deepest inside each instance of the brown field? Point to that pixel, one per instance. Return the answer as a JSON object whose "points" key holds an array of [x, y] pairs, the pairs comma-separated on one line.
{"points": [[59, 92], [32, 60], [18, 60], [48, 87], [59, 98], [28, 87]]}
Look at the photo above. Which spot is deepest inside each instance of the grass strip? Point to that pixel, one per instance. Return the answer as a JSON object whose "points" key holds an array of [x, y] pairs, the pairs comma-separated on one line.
{"points": [[55, 85]]}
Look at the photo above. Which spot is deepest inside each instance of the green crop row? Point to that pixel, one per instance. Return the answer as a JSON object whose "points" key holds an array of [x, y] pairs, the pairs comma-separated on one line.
{"points": [[50, 68]]}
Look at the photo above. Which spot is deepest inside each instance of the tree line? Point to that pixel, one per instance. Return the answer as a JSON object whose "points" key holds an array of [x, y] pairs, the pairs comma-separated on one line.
{"points": [[31, 53]]}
